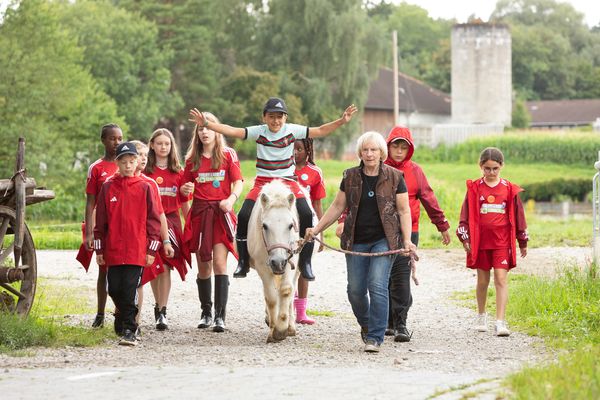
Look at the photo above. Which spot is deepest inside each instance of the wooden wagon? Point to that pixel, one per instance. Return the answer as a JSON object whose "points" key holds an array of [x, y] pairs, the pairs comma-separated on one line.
{"points": [[18, 263]]}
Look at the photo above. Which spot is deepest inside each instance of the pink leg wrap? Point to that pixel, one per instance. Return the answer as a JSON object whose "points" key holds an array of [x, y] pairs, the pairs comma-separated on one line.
{"points": [[301, 317]]}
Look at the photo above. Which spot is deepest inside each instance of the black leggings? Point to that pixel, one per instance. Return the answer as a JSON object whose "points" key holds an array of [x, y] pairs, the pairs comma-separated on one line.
{"points": [[399, 287], [304, 213]]}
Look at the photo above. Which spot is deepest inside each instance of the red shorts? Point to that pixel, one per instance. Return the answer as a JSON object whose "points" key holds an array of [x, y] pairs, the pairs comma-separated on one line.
{"points": [[261, 181], [492, 258]]}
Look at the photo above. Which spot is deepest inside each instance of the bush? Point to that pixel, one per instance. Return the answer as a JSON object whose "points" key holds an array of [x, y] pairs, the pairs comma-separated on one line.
{"points": [[574, 189]]}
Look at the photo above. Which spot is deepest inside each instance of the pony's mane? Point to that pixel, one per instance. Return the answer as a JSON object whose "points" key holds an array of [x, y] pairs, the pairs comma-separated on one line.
{"points": [[277, 192]]}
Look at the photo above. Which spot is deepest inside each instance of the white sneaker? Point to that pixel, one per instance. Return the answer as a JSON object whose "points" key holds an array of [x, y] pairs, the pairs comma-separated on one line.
{"points": [[502, 328], [481, 323]]}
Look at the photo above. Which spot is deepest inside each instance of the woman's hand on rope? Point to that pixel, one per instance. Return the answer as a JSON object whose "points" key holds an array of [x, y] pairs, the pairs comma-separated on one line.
{"points": [[411, 250], [310, 234]]}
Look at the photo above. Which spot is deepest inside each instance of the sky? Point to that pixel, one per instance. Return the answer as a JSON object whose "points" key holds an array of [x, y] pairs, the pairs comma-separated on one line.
{"points": [[462, 9]]}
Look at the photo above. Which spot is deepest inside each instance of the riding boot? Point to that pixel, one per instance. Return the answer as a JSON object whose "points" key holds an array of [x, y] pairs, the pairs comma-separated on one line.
{"points": [[304, 261], [242, 267], [221, 295], [204, 294]]}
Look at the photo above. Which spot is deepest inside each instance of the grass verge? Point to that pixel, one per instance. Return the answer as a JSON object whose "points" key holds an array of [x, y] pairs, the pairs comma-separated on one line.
{"points": [[565, 312], [45, 326]]}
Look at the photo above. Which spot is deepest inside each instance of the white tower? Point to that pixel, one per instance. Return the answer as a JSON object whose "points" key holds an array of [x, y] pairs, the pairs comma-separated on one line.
{"points": [[481, 74]]}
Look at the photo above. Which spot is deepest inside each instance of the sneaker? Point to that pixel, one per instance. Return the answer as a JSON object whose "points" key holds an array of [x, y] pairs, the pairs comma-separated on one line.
{"points": [[402, 334], [205, 321], [481, 323], [502, 328], [364, 331], [128, 339], [98, 321], [371, 346], [161, 323], [138, 334]]}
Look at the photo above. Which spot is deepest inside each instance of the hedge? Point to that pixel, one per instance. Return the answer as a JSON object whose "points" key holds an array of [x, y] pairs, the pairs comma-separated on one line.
{"points": [[574, 189]]}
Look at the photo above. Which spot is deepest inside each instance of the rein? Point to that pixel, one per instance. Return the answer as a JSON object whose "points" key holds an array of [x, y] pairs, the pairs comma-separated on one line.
{"points": [[405, 252]]}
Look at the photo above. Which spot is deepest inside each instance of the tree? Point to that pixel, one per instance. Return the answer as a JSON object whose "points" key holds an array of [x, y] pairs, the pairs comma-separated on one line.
{"points": [[45, 93], [329, 50], [555, 55], [123, 54], [520, 116], [48, 97]]}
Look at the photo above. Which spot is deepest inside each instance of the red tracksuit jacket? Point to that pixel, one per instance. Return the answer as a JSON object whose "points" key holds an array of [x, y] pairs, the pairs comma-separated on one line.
{"points": [[419, 191], [127, 221], [468, 227]]}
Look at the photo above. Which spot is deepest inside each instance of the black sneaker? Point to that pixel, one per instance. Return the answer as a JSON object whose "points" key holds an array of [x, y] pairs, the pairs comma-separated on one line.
{"points": [[402, 334], [128, 339], [371, 346], [98, 321], [205, 321]]}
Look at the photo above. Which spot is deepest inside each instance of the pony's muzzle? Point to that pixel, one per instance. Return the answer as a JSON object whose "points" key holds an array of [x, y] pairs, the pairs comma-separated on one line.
{"points": [[277, 265]]}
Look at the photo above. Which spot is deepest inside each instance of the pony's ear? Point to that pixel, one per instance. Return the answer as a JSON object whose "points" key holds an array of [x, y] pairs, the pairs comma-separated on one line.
{"points": [[291, 198], [264, 200]]}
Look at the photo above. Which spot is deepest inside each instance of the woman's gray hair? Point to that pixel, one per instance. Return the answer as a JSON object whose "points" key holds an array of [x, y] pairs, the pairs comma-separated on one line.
{"points": [[377, 138]]}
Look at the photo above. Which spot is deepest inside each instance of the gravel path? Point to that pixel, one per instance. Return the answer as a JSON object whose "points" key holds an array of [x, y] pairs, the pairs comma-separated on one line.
{"points": [[444, 351]]}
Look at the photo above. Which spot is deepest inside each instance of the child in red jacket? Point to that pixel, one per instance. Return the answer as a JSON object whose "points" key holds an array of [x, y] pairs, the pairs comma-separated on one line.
{"points": [[492, 220], [126, 235], [400, 151]]}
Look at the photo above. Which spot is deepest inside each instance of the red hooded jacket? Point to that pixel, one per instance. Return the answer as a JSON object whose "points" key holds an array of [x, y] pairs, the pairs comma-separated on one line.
{"points": [[419, 191], [468, 227], [127, 221]]}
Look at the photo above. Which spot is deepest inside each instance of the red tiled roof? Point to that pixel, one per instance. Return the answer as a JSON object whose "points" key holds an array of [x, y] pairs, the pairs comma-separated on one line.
{"points": [[563, 112], [414, 95]]}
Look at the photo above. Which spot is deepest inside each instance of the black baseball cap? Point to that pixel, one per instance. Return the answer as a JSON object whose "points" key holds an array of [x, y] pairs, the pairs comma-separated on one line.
{"points": [[275, 104], [126, 148]]}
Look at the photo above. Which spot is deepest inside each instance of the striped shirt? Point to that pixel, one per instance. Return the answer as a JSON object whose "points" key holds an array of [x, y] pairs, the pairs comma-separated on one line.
{"points": [[275, 151]]}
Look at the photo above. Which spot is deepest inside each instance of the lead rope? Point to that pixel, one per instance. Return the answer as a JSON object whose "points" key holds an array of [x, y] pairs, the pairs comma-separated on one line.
{"points": [[405, 252]]}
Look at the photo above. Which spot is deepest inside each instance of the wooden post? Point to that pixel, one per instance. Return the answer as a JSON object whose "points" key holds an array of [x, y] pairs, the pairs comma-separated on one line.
{"points": [[19, 180]]}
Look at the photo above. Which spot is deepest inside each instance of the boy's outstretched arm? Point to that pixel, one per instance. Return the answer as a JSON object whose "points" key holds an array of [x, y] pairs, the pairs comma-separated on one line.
{"points": [[197, 117], [329, 127]]}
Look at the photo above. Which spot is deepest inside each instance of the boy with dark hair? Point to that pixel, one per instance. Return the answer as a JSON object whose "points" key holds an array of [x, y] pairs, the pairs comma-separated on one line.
{"points": [[126, 235], [274, 160]]}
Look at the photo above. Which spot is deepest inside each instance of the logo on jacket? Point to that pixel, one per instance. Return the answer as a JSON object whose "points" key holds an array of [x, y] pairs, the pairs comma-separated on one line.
{"points": [[104, 173], [114, 198]]}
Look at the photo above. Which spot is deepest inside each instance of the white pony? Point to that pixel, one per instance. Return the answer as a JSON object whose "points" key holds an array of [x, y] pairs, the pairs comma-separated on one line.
{"points": [[272, 238]]}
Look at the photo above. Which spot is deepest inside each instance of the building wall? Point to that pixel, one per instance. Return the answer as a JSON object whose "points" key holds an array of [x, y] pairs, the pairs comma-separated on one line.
{"points": [[481, 74]]}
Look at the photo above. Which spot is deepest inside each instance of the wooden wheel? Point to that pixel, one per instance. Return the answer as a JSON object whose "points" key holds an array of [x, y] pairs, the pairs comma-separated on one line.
{"points": [[16, 296]]}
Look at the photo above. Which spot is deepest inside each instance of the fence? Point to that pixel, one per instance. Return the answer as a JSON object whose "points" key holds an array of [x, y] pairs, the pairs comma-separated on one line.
{"points": [[450, 134]]}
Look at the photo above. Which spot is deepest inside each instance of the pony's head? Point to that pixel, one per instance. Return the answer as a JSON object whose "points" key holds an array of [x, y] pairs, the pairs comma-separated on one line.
{"points": [[279, 224]]}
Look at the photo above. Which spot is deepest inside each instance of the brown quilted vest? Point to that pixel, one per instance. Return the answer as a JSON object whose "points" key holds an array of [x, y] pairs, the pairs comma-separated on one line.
{"points": [[385, 192]]}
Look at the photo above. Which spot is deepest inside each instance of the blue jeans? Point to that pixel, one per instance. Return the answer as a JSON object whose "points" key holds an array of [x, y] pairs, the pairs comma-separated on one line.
{"points": [[368, 279]]}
